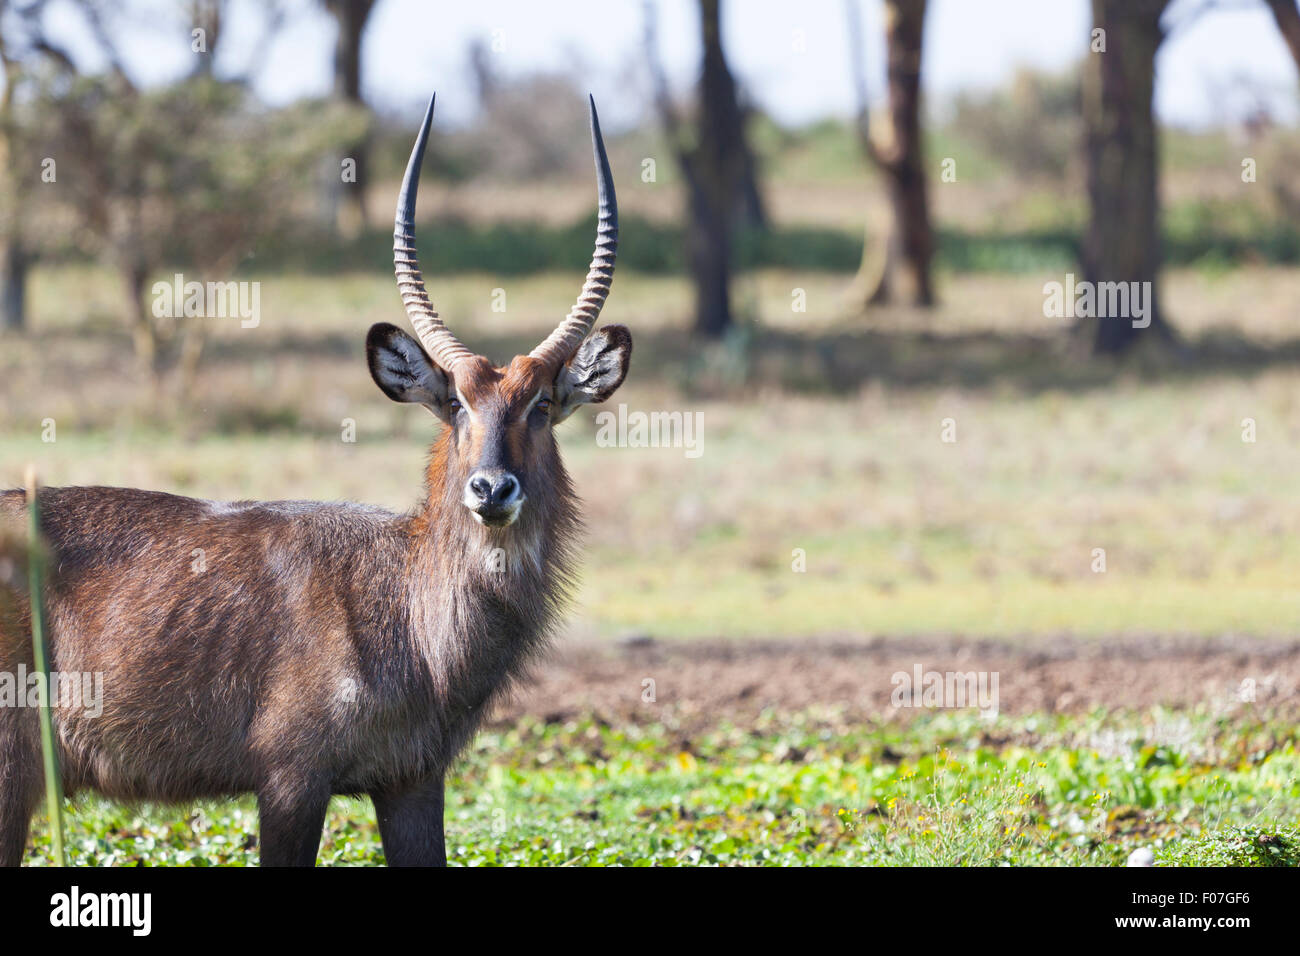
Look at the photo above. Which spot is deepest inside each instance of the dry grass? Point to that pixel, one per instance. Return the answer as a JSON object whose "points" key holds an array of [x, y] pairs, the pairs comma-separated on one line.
{"points": [[903, 533]]}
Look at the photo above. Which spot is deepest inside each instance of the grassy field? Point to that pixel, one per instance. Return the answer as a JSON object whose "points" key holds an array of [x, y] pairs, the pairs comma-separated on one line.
{"points": [[823, 442], [807, 788], [994, 533]]}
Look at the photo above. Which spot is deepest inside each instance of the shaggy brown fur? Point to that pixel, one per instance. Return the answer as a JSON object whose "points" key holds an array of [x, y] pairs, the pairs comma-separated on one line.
{"points": [[298, 650]]}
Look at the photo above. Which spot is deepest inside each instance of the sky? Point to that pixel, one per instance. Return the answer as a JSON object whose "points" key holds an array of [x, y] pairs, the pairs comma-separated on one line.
{"points": [[792, 56]]}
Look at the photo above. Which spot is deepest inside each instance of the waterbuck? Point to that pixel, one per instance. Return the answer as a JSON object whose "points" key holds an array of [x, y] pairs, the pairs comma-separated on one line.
{"points": [[320, 649]]}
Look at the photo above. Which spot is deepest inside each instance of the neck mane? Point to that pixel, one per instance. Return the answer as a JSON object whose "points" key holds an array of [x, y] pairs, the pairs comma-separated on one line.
{"points": [[484, 601]]}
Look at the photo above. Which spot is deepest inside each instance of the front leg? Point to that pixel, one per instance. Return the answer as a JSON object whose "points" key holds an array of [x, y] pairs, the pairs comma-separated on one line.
{"points": [[291, 816], [20, 781], [410, 824]]}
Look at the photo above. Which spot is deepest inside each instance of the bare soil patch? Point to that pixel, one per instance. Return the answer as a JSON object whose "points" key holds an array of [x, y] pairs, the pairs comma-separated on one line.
{"points": [[708, 681]]}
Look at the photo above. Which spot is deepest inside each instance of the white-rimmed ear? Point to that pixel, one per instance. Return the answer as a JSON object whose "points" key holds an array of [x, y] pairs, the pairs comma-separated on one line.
{"points": [[403, 370], [595, 372]]}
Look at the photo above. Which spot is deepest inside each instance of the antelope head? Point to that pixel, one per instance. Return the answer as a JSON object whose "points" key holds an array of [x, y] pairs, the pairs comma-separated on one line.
{"points": [[498, 449]]}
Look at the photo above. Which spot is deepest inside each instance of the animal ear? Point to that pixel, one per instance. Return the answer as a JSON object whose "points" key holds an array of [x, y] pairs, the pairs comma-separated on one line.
{"points": [[596, 370], [403, 370]]}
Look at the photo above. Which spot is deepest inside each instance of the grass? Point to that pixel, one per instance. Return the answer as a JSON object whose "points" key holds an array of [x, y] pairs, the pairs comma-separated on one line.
{"points": [[1247, 845], [901, 532], [806, 788], [822, 448], [1220, 234]]}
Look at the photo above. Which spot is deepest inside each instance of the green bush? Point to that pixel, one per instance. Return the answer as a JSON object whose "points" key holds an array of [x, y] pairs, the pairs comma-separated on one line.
{"points": [[1244, 845]]}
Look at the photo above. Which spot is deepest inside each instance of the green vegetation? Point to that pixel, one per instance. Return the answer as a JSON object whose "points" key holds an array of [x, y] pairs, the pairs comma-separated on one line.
{"points": [[1248, 845], [1197, 234], [822, 436], [1015, 207], [807, 788]]}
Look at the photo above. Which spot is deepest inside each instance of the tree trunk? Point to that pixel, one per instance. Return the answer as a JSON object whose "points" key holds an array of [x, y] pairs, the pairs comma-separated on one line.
{"points": [[752, 206], [900, 159], [908, 198], [708, 247], [14, 259], [719, 168], [205, 15], [351, 16], [717, 164], [1122, 243], [144, 332], [13, 287], [1288, 23]]}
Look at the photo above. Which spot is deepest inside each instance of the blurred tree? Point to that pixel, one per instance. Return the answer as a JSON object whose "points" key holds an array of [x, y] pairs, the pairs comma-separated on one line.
{"points": [[14, 256], [1122, 243], [206, 15], [1034, 126], [1287, 17], [717, 164], [350, 17], [22, 47], [1288, 23], [897, 153], [526, 125], [188, 175]]}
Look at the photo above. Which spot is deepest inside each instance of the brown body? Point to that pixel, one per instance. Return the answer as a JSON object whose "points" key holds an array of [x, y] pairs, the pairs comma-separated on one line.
{"points": [[298, 650], [322, 649]]}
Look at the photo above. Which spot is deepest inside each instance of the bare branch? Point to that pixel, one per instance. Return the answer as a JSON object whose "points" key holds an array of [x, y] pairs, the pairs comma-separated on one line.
{"points": [[34, 39], [275, 12], [275, 17], [1288, 23], [663, 99], [91, 10], [857, 63]]}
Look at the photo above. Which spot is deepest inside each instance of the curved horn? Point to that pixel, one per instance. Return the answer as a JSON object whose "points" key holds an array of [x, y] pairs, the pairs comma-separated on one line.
{"points": [[564, 341], [443, 347]]}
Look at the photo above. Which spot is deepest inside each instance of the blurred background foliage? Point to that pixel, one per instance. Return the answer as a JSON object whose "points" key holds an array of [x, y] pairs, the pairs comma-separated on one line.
{"points": [[754, 271], [722, 238]]}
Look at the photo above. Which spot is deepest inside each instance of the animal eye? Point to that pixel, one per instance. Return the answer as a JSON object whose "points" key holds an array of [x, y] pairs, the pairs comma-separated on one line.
{"points": [[454, 406], [543, 404]]}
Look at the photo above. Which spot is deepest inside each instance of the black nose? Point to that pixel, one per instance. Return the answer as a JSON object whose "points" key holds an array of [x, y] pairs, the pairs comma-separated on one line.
{"points": [[494, 490]]}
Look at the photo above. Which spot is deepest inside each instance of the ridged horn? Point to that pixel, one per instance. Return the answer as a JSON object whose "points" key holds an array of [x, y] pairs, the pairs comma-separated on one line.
{"points": [[443, 347], [564, 341]]}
